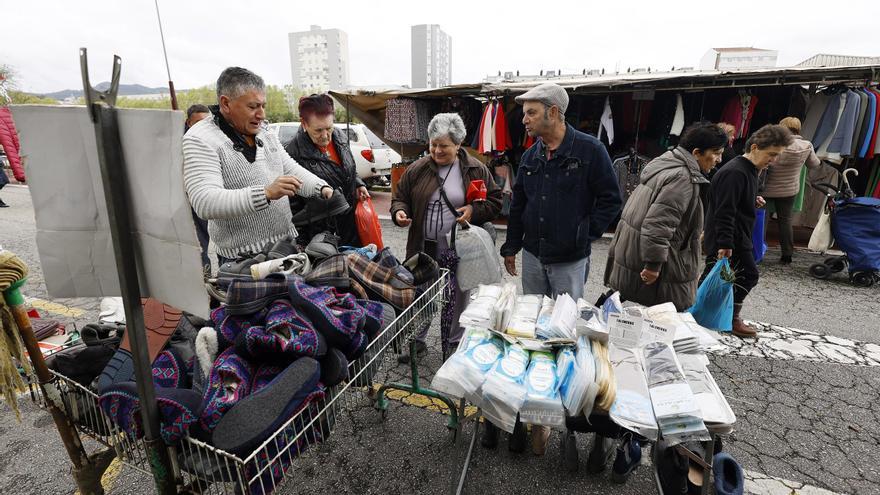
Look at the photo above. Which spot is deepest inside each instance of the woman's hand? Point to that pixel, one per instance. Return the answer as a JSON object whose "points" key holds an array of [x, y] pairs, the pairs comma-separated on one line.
{"points": [[327, 192], [649, 277], [401, 218], [362, 193], [466, 212]]}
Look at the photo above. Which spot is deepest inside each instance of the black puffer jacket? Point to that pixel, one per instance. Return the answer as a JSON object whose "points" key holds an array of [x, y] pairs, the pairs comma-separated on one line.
{"points": [[342, 177]]}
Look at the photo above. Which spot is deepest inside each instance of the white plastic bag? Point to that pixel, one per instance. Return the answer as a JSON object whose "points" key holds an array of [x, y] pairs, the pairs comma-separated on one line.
{"points": [[821, 238], [477, 261]]}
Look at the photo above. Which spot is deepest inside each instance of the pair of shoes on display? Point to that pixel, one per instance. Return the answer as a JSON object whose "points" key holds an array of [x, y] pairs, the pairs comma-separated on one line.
{"points": [[241, 268], [629, 455], [318, 208]]}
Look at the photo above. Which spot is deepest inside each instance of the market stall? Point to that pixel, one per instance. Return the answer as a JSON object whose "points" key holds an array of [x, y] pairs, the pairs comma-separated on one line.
{"points": [[639, 115]]}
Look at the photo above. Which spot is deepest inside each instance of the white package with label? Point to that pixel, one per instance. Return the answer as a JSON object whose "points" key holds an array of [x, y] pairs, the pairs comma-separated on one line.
{"points": [[543, 405], [632, 407], [713, 405], [478, 313], [675, 407], [590, 322], [503, 391], [564, 318], [525, 315], [502, 310], [543, 321], [464, 372]]}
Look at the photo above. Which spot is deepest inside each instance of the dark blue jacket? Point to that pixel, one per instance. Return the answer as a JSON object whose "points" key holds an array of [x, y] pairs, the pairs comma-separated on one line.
{"points": [[560, 206]]}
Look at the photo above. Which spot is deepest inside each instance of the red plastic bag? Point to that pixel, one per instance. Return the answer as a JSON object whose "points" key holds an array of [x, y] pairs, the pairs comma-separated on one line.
{"points": [[476, 191], [369, 229]]}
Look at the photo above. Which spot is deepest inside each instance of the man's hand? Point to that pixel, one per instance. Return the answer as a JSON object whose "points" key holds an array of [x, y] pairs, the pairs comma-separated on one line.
{"points": [[725, 253], [362, 193], [402, 219], [284, 185], [760, 202], [327, 192], [466, 212], [510, 265], [649, 277]]}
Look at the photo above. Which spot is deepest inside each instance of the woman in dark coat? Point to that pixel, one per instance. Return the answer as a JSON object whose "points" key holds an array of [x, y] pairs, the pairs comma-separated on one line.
{"points": [[655, 254]]}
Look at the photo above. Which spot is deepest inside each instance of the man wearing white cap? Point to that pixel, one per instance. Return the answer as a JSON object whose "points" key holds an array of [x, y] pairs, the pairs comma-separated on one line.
{"points": [[565, 196]]}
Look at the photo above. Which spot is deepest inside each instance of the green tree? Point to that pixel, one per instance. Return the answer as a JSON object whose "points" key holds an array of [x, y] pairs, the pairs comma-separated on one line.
{"points": [[20, 98]]}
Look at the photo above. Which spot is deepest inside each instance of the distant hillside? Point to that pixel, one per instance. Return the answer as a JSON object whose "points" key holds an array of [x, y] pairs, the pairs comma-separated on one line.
{"points": [[124, 90]]}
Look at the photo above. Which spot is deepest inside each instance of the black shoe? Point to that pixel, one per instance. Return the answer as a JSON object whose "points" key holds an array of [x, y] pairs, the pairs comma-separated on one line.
{"points": [[785, 260], [600, 454], [3, 205], [318, 208], [240, 268], [490, 435], [323, 245], [517, 441], [282, 248], [421, 351]]}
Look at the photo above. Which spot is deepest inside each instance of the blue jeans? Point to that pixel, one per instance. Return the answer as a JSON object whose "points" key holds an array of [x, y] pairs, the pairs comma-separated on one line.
{"points": [[554, 279]]}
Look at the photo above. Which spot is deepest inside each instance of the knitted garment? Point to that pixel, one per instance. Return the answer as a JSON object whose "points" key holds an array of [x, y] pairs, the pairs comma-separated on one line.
{"points": [[336, 315], [230, 381], [272, 462], [287, 335], [229, 326], [230, 192], [12, 269], [168, 370]]}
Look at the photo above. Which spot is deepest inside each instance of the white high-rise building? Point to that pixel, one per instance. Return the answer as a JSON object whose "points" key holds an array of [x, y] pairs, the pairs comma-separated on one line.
{"points": [[739, 58], [319, 59], [431, 57]]}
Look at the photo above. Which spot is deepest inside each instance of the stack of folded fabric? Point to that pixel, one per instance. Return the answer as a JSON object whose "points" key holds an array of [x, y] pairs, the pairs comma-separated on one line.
{"points": [[543, 404], [478, 313], [544, 315], [525, 315], [463, 374], [563, 321]]}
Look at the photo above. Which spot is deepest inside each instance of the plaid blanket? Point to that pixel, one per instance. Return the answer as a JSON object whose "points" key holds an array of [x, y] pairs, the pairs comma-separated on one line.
{"points": [[381, 282]]}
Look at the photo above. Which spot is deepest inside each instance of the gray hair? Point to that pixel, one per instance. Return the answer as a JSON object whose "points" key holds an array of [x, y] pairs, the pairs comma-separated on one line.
{"points": [[447, 125], [236, 81]]}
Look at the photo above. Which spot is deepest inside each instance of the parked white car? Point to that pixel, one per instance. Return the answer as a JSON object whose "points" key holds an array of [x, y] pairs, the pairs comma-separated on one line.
{"points": [[372, 156]]}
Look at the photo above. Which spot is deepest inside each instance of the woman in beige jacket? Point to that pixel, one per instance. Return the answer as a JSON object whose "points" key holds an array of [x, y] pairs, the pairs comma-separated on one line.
{"points": [[783, 182]]}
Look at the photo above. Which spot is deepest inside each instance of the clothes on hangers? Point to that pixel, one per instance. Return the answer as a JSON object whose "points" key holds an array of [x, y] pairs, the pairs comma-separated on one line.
{"points": [[628, 169], [678, 119], [738, 111], [494, 136], [406, 120], [606, 121]]}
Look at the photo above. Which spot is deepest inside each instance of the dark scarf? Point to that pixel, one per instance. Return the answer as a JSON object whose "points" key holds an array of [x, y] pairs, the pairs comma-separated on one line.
{"points": [[239, 143]]}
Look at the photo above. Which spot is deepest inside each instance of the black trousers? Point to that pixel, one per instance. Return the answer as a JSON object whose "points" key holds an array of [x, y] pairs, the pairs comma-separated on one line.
{"points": [[743, 264]]}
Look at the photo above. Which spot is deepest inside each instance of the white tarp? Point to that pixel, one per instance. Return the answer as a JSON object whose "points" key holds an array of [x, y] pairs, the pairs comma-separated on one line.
{"points": [[73, 236]]}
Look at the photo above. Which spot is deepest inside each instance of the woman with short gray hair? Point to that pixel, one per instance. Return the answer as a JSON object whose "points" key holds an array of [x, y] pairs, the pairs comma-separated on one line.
{"points": [[432, 196]]}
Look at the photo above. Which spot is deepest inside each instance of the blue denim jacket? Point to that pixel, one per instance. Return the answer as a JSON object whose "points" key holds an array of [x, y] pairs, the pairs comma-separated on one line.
{"points": [[561, 205]]}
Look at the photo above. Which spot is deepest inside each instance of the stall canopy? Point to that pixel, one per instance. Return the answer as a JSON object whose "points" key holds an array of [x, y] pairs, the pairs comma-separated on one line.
{"points": [[369, 106]]}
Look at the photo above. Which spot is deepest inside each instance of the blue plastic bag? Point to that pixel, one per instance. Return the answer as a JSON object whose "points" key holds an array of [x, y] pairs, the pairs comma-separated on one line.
{"points": [[759, 246], [714, 305]]}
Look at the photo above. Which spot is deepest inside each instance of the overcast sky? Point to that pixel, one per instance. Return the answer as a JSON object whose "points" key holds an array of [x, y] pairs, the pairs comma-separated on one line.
{"points": [[41, 38]]}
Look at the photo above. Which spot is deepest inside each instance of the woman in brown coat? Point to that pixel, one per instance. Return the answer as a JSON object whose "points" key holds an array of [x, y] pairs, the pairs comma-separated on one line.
{"points": [[419, 204], [655, 254]]}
